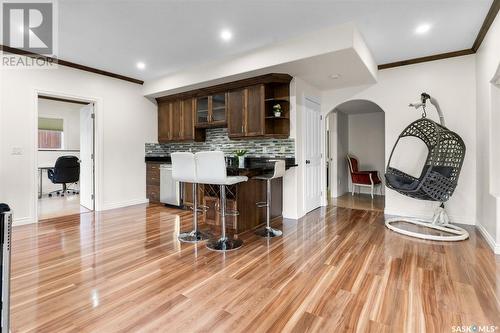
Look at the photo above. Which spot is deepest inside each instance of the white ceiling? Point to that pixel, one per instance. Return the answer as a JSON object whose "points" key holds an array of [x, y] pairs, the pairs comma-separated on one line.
{"points": [[176, 34]]}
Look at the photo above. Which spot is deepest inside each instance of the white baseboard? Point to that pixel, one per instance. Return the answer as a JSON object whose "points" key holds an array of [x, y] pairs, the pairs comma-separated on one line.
{"points": [[489, 239], [293, 215], [22, 221], [114, 205], [426, 215]]}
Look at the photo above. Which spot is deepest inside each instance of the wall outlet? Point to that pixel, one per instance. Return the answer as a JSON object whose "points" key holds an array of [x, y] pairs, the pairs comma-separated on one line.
{"points": [[264, 150], [282, 149]]}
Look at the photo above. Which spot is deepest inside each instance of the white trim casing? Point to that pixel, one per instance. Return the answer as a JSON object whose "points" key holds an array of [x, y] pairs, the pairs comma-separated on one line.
{"points": [[114, 205], [98, 138], [23, 221]]}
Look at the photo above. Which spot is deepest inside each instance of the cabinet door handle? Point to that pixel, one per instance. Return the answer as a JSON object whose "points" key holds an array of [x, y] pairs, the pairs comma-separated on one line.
{"points": [[241, 128]]}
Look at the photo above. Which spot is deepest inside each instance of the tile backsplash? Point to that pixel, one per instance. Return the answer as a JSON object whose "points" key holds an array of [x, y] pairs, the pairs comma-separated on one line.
{"points": [[217, 139]]}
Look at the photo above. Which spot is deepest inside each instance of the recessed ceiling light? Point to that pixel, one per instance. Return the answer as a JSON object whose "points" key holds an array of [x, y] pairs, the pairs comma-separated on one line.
{"points": [[226, 35], [334, 76], [141, 65], [423, 28]]}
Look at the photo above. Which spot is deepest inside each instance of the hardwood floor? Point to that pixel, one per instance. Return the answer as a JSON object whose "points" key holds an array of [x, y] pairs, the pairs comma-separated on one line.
{"points": [[360, 201], [334, 270], [60, 206]]}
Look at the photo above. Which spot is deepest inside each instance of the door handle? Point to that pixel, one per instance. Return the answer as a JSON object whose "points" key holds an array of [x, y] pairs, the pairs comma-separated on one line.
{"points": [[308, 162]]}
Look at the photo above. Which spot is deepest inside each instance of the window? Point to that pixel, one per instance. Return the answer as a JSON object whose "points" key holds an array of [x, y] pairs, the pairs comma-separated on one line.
{"points": [[50, 133]]}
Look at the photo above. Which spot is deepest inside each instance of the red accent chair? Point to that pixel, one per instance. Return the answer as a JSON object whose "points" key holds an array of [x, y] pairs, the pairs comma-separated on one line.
{"points": [[362, 178]]}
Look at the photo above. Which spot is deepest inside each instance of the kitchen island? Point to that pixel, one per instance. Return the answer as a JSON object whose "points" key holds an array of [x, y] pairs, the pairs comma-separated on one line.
{"points": [[242, 197]]}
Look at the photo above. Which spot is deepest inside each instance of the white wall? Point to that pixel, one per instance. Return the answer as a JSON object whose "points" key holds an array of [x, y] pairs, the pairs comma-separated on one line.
{"points": [[125, 121], [452, 82], [70, 113], [367, 143], [488, 202], [340, 142]]}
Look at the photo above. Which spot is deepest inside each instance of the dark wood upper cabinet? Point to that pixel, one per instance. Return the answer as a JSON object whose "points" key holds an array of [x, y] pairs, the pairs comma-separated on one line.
{"points": [[202, 116], [176, 120], [236, 113], [218, 108], [246, 112], [211, 110], [245, 107], [164, 122], [254, 111], [188, 119]]}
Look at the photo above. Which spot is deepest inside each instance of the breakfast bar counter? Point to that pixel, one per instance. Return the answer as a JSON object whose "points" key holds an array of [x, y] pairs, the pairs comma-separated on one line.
{"points": [[242, 197]]}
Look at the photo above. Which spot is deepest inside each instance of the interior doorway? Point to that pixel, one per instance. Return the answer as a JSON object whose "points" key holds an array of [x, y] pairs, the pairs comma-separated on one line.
{"points": [[65, 148], [312, 153], [355, 155]]}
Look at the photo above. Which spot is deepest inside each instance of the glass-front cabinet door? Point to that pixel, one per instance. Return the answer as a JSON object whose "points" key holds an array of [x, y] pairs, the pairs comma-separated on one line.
{"points": [[202, 116], [218, 108]]}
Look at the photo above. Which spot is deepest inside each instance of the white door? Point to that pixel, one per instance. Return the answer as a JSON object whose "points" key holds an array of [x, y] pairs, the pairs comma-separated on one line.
{"points": [[312, 154], [87, 156]]}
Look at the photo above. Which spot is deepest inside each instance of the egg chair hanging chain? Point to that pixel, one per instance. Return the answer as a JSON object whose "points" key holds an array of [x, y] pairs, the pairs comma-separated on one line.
{"points": [[424, 97]]}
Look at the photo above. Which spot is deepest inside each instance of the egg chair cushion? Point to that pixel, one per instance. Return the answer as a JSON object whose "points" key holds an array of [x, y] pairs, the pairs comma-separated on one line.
{"points": [[442, 170], [402, 182]]}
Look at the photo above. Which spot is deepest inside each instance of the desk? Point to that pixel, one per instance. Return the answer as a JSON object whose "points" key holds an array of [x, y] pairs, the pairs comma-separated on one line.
{"points": [[40, 174]]}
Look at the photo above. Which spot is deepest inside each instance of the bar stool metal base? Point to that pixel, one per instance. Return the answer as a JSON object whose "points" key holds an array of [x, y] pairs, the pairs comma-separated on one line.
{"points": [[192, 237], [224, 244], [268, 232]]}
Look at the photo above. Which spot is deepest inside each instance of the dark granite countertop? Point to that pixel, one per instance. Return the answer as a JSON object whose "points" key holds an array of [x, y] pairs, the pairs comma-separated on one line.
{"points": [[252, 164], [159, 159]]}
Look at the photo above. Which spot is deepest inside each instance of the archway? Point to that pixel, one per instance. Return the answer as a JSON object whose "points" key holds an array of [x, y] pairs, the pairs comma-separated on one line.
{"points": [[355, 127]]}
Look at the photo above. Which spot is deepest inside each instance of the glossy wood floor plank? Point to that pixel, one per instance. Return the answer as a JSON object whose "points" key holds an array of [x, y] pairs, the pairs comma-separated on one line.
{"points": [[337, 269]]}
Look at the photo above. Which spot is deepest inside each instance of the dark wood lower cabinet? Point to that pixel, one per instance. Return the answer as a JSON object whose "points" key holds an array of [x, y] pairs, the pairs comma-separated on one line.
{"points": [[243, 197], [153, 193], [153, 181]]}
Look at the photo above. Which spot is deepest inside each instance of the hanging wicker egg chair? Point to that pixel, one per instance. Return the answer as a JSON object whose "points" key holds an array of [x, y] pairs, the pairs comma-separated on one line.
{"points": [[438, 178]]}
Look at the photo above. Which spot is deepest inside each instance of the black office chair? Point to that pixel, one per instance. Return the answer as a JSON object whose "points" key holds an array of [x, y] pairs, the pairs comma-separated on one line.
{"points": [[66, 171]]}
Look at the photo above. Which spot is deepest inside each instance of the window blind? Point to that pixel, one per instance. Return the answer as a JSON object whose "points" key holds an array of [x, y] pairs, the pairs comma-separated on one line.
{"points": [[50, 124]]}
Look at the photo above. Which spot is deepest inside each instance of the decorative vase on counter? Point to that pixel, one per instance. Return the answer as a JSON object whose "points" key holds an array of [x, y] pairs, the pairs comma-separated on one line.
{"points": [[241, 162]]}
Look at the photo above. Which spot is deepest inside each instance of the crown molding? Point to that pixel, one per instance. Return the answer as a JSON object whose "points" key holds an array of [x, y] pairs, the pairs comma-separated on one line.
{"points": [[488, 21]]}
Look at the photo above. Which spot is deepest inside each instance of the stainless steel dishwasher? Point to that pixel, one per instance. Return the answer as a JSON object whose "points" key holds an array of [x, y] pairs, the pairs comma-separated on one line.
{"points": [[170, 190]]}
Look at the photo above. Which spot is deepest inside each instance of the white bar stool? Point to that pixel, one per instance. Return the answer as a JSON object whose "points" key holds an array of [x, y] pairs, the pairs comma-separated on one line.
{"points": [[184, 170], [279, 171], [211, 169]]}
